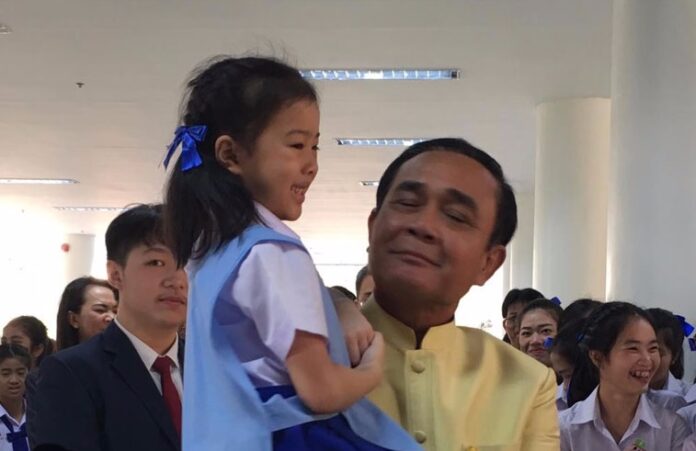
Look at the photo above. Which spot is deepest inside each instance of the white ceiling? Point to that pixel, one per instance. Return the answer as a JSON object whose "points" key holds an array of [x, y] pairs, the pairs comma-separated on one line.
{"points": [[133, 57]]}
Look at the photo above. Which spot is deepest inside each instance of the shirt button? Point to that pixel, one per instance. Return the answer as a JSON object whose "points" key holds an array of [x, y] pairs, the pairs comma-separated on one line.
{"points": [[418, 367], [420, 436]]}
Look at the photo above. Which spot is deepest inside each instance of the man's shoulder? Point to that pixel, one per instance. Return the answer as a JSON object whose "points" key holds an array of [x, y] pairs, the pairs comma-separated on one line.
{"points": [[499, 354]]}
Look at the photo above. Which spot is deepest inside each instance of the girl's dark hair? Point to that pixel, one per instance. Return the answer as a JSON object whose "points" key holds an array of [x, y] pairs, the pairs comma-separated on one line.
{"points": [[13, 351], [71, 301], [565, 343], [579, 309], [37, 333], [541, 304], [669, 329], [208, 206], [520, 295], [602, 329]]}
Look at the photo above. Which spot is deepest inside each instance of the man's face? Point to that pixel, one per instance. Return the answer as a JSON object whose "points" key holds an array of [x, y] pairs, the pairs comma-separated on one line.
{"points": [[153, 291], [429, 239], [367, 286], [510, 323]]}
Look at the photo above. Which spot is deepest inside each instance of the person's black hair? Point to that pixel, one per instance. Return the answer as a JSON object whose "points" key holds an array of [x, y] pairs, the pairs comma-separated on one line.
{"points": [[207, 206], [506, 208], [541, 304], [14, 351], [669, 329], [364, 272], [345, 291], [579, 309], [600, 333], [565, 343], [520, 295], [136, 226], [72, 300], [37, 333]]}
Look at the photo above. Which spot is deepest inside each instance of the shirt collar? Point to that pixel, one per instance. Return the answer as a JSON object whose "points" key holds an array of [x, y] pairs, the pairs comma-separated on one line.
{"points": [[561, 393], [272, 221], [23, 420], [402, 336], [146, 353], [588, 411]]}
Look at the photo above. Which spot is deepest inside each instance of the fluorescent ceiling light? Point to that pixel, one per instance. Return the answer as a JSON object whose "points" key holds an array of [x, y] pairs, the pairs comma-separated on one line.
{"points": [[379, 142], [5, 29], [369, 182], [380, 74], [18, 181], [89, 209]]}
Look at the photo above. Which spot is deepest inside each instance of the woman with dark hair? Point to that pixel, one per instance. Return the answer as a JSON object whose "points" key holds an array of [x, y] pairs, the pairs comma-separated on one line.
{"points": [[564, 352], [619, 354], [670, 338], [538, 324], [87, 307], [30, 332]]}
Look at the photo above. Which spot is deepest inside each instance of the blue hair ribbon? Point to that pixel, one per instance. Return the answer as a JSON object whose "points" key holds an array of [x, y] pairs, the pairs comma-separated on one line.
{"points": [[187, 136], [556, 301], [548, 342], [686, 327]]}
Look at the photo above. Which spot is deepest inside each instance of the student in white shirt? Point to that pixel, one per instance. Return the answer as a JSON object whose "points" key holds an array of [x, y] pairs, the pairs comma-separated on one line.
{"points": [[608, 406], [670, 337], [14, 366]]}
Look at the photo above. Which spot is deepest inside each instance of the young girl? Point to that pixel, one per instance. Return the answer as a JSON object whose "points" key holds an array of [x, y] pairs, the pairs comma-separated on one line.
{"points": [[670, 337], [564, 352], [31, 333], [266, 364], [14, 366], [609, 409], [538, 325]]}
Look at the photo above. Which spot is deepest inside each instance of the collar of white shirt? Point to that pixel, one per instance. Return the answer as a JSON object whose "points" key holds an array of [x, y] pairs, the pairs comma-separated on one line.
{"points": [[272, 221], [560, 393], [588, 411], [146, 353], [23, 420]]}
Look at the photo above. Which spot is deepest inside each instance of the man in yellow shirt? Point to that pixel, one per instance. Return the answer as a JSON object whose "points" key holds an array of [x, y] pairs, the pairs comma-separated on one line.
{"points": [[444, 215]]}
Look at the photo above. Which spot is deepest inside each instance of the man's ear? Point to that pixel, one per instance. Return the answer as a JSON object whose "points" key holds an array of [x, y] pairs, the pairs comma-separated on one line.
{"points": [[493, 260], [229, 154], [114, 273]]}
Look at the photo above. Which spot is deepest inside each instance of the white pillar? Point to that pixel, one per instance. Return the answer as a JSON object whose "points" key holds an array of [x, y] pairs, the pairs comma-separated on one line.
{"points": [[570, 200], [78, 249], [522, 245], [652, 195]]}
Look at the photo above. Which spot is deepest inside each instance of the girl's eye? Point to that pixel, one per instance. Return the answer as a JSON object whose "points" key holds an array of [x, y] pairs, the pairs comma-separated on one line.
{"points": [[155, 263], [298, 146]]}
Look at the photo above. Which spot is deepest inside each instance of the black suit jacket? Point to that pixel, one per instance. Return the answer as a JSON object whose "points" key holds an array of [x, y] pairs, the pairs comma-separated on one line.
{"points": [[98, 396]]}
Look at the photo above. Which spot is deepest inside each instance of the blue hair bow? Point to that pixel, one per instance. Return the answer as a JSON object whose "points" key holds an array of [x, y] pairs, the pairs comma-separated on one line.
{"points": [[187, 136], [548, 342], [556, 301], [686, 327]]}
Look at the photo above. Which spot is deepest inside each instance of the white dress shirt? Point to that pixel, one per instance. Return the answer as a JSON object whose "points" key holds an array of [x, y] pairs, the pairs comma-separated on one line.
{"points": [[561, 398], [275, 293], [582, 428], [149, 355], [667, 399], [4, 444], [690, 443]]}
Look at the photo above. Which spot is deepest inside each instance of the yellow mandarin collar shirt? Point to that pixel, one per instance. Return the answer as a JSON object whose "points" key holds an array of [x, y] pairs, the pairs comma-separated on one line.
{"points": [[464, 389]]}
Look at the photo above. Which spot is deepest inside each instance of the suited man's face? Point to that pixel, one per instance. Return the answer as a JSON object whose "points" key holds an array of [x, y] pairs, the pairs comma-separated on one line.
{"points": [[152, 290]]}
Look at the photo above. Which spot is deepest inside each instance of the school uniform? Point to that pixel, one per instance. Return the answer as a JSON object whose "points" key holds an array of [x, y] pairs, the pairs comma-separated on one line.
{"points": [[667, 399], [676, 386], [561, 398], [246, 302], [690, 443], [582, 428], [13, 434], [688, 413]]}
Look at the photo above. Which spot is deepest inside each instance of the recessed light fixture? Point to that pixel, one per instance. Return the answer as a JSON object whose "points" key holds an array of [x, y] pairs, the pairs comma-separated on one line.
{"points": [[20, 181], [5, 29], [378, 142], [380, 74], [369, 183], [89, 209]]}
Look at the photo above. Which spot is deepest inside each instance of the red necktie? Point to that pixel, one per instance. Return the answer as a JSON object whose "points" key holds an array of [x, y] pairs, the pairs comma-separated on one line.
{"points": [[163, 366]]}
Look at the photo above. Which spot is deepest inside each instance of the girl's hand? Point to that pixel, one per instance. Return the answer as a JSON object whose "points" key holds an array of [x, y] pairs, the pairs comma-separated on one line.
{"points": [[357, 331], [373, 357]]}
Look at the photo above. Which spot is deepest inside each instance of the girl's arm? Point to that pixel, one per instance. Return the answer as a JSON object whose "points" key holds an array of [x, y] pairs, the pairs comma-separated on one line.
{"points": [[325, 386]]}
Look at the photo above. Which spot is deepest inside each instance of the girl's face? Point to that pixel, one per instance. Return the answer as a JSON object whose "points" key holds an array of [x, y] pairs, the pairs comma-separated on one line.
{"points": [[535, 327], [283, 163], [563, 368], [97, 312], [12, 375], [666, 357], [633, 360], [15, 335]]}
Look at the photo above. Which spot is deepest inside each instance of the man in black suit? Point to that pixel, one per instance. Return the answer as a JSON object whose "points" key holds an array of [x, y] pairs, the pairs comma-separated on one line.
{"points": [[122, 389]]}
